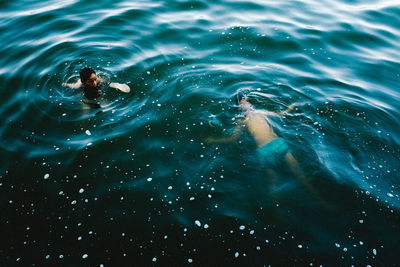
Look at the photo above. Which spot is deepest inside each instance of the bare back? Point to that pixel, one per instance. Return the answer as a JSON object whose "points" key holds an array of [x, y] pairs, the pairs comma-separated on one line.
{"points": [[258, 127]]}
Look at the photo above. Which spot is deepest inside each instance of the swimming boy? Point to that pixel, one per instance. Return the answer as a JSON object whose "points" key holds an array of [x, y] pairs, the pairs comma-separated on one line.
{"points": [[272, 150], [90, 83]]}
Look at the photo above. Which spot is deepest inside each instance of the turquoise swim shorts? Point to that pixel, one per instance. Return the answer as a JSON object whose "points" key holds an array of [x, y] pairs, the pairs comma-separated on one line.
{"points": [[273, 152]]}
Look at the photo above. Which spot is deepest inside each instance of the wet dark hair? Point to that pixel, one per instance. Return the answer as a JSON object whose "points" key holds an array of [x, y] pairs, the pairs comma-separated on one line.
{"points": [[239, 96], [85, 73]]}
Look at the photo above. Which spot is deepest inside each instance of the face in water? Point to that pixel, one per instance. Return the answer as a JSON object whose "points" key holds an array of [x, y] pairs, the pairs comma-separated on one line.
{"points": [[92, 81]]}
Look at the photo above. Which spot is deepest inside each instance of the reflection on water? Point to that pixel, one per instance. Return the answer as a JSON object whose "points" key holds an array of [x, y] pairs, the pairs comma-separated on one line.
{"points": [[138, 183]]}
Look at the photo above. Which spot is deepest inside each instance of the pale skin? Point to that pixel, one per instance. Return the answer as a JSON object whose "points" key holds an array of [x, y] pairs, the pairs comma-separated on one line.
{"points": [[255, 121], [256, 124]]}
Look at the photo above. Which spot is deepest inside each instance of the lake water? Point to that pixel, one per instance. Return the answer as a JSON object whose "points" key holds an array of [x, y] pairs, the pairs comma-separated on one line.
{"points": [[137, 185]]}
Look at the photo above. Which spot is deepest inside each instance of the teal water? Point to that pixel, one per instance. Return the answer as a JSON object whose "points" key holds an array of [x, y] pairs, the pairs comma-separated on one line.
{"points": [[137, 184]]}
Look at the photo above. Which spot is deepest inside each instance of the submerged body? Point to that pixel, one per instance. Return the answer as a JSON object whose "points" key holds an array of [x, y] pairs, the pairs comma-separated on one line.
{"points": [[90, 83], [272, 150]]}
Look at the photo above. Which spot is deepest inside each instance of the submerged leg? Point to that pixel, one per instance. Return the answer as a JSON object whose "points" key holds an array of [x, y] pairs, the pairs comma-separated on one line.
{"points": [[294, 166], [272, 176]]}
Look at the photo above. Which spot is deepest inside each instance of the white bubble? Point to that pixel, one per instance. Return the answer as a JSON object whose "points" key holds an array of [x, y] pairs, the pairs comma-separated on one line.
{"points": [[46, 176], [236, 254], [84, 256], [88, 132], [197, 222], [242, 227], [81, 190], [149, 179], [154, 259]]}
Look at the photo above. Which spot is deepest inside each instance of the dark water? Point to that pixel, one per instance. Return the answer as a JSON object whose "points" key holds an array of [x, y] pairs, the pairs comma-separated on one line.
{"points": [[136, 185]]}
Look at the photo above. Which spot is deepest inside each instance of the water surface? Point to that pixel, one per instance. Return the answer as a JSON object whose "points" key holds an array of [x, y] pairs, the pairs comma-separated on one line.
{"points": [[138, 185]]}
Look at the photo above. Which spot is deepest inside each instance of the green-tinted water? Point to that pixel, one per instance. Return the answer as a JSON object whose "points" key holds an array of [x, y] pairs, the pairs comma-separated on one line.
{"points": [[138, 185]]}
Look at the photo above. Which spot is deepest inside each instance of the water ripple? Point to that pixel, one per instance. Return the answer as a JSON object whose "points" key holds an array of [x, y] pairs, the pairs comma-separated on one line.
{"points": [[143, 159]]}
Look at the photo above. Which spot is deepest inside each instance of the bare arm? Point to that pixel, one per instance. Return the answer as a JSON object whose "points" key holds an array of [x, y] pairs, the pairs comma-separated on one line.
{"points": [[289, 109], [236, 133], [76, 85]]}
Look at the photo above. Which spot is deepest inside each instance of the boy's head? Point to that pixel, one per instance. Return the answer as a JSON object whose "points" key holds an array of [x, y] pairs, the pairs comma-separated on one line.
{"points": [[239, 97], [241, 101], [88, 77]]}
